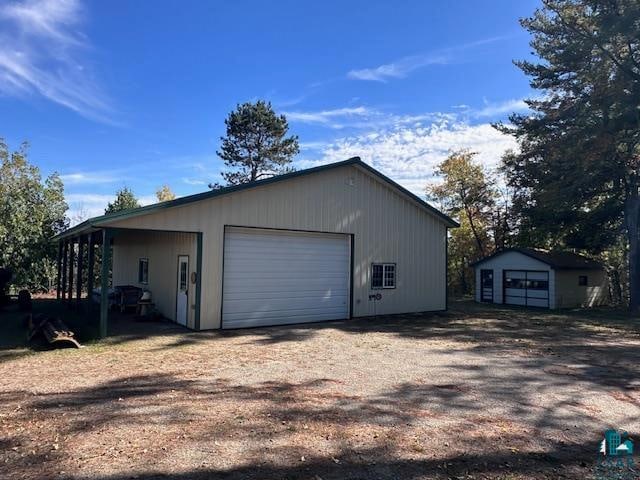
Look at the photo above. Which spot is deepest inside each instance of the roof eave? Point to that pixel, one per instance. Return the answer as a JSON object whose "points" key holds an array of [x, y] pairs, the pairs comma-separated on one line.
{"points": [[521, 251]]}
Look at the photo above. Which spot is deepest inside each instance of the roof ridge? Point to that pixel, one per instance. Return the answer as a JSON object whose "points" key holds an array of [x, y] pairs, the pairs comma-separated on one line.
{"points": [[94, 221]]}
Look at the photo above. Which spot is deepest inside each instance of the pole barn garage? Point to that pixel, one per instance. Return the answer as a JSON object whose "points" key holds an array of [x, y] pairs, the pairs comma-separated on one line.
{"points": [[332, 242]]}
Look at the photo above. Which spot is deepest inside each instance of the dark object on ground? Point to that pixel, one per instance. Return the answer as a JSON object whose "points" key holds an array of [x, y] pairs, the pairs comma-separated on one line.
{"points": [[53, 329], [24, 300], [5, 278]]}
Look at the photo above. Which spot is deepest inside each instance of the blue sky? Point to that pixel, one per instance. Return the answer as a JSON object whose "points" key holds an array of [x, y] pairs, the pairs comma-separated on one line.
{"points": [[135, 93]]}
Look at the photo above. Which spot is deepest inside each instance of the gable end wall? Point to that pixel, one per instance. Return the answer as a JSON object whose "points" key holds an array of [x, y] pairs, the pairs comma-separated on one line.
{"points": [[386, 226]]}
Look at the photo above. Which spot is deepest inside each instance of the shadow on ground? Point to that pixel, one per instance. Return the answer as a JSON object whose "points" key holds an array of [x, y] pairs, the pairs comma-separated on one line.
{"points": [[376, 464], [522, 413], [300, 430]]}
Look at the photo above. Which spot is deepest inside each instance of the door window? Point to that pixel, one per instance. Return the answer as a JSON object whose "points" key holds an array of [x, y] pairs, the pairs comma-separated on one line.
{"points": [[183, 276]]}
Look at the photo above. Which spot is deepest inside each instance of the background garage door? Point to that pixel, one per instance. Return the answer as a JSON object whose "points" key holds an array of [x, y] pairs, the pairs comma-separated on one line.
{"points": [[526, 287], [278, 277]]}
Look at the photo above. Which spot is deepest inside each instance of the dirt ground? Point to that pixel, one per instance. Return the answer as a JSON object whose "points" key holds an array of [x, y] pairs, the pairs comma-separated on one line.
{"points": [[477, 392]]}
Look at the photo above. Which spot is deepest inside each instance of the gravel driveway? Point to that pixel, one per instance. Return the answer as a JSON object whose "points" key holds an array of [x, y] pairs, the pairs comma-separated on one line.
{"points": [[477, 392]]}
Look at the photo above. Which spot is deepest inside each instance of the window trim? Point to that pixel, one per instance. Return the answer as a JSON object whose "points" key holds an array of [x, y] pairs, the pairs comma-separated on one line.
{"points": [[141, 280], [384, 270]]}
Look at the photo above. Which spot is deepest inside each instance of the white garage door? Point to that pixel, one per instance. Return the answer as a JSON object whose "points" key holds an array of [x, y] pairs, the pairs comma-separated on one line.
{"points": [[527, 288], [279, 277]]}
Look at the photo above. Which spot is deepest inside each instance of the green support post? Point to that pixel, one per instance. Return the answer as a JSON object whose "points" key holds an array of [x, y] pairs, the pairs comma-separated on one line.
{"points": [[79, 272], [91, 260], [59, 271], [65, 249], [70, 272], [104, 281]]}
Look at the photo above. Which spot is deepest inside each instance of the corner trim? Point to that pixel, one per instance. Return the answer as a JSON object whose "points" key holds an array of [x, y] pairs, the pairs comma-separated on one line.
{"points": [[446, 270], [196, 320]]}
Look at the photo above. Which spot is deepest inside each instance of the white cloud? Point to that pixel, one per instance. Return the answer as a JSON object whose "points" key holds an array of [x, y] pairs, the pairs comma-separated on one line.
{"points": [[309, 146], [86, 205], [360, 117], [496, 109], [327, 116], [398, 69], [148, 199], [203, 170], [402, 67], [83, 178], [83, 206], [40, 47], [409, 154], [193, 181]]}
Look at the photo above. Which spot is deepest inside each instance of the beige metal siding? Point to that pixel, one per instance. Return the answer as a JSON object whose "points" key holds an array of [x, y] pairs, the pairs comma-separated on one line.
{"points": [[569, 294], [387, 227], [162, 250]]}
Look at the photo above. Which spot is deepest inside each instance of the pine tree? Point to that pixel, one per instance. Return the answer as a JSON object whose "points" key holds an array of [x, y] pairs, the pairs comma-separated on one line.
{"points": [[125, 200], [256, 144], [577, 175]]}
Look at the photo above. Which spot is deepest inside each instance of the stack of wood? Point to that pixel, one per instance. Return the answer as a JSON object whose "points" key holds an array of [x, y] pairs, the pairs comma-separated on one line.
{"points": [[53, 329]]}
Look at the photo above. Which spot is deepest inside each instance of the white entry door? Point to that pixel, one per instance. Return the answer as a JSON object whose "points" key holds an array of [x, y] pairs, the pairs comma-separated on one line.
{"points": [[274, 277], [182, 302]]}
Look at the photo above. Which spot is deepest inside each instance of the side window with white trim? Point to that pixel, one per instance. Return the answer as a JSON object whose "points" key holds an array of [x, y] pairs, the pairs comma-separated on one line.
{"points": [[383, 275]]}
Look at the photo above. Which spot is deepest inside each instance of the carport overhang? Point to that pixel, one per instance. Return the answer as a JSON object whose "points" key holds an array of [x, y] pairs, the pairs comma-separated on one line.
{"points": [[92, 233]]}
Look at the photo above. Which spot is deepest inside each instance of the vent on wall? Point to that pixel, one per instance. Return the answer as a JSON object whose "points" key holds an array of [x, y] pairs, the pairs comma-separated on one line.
{"points": [[351, 181]]}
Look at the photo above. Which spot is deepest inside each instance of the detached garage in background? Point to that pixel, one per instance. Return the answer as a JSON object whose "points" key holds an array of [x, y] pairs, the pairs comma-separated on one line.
{"points": [[326, 243], [536, 278]]}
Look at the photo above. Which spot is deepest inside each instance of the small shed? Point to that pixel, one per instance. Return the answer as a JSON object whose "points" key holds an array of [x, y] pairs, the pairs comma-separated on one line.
{"points": [[538, 278]]}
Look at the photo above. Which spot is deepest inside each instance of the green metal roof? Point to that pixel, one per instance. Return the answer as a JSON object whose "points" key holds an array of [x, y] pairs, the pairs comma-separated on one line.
{"points": [[134, 212]]}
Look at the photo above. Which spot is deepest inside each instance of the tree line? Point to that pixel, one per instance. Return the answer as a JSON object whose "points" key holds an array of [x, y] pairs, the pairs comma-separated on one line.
{"points": [[572, 183]]}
